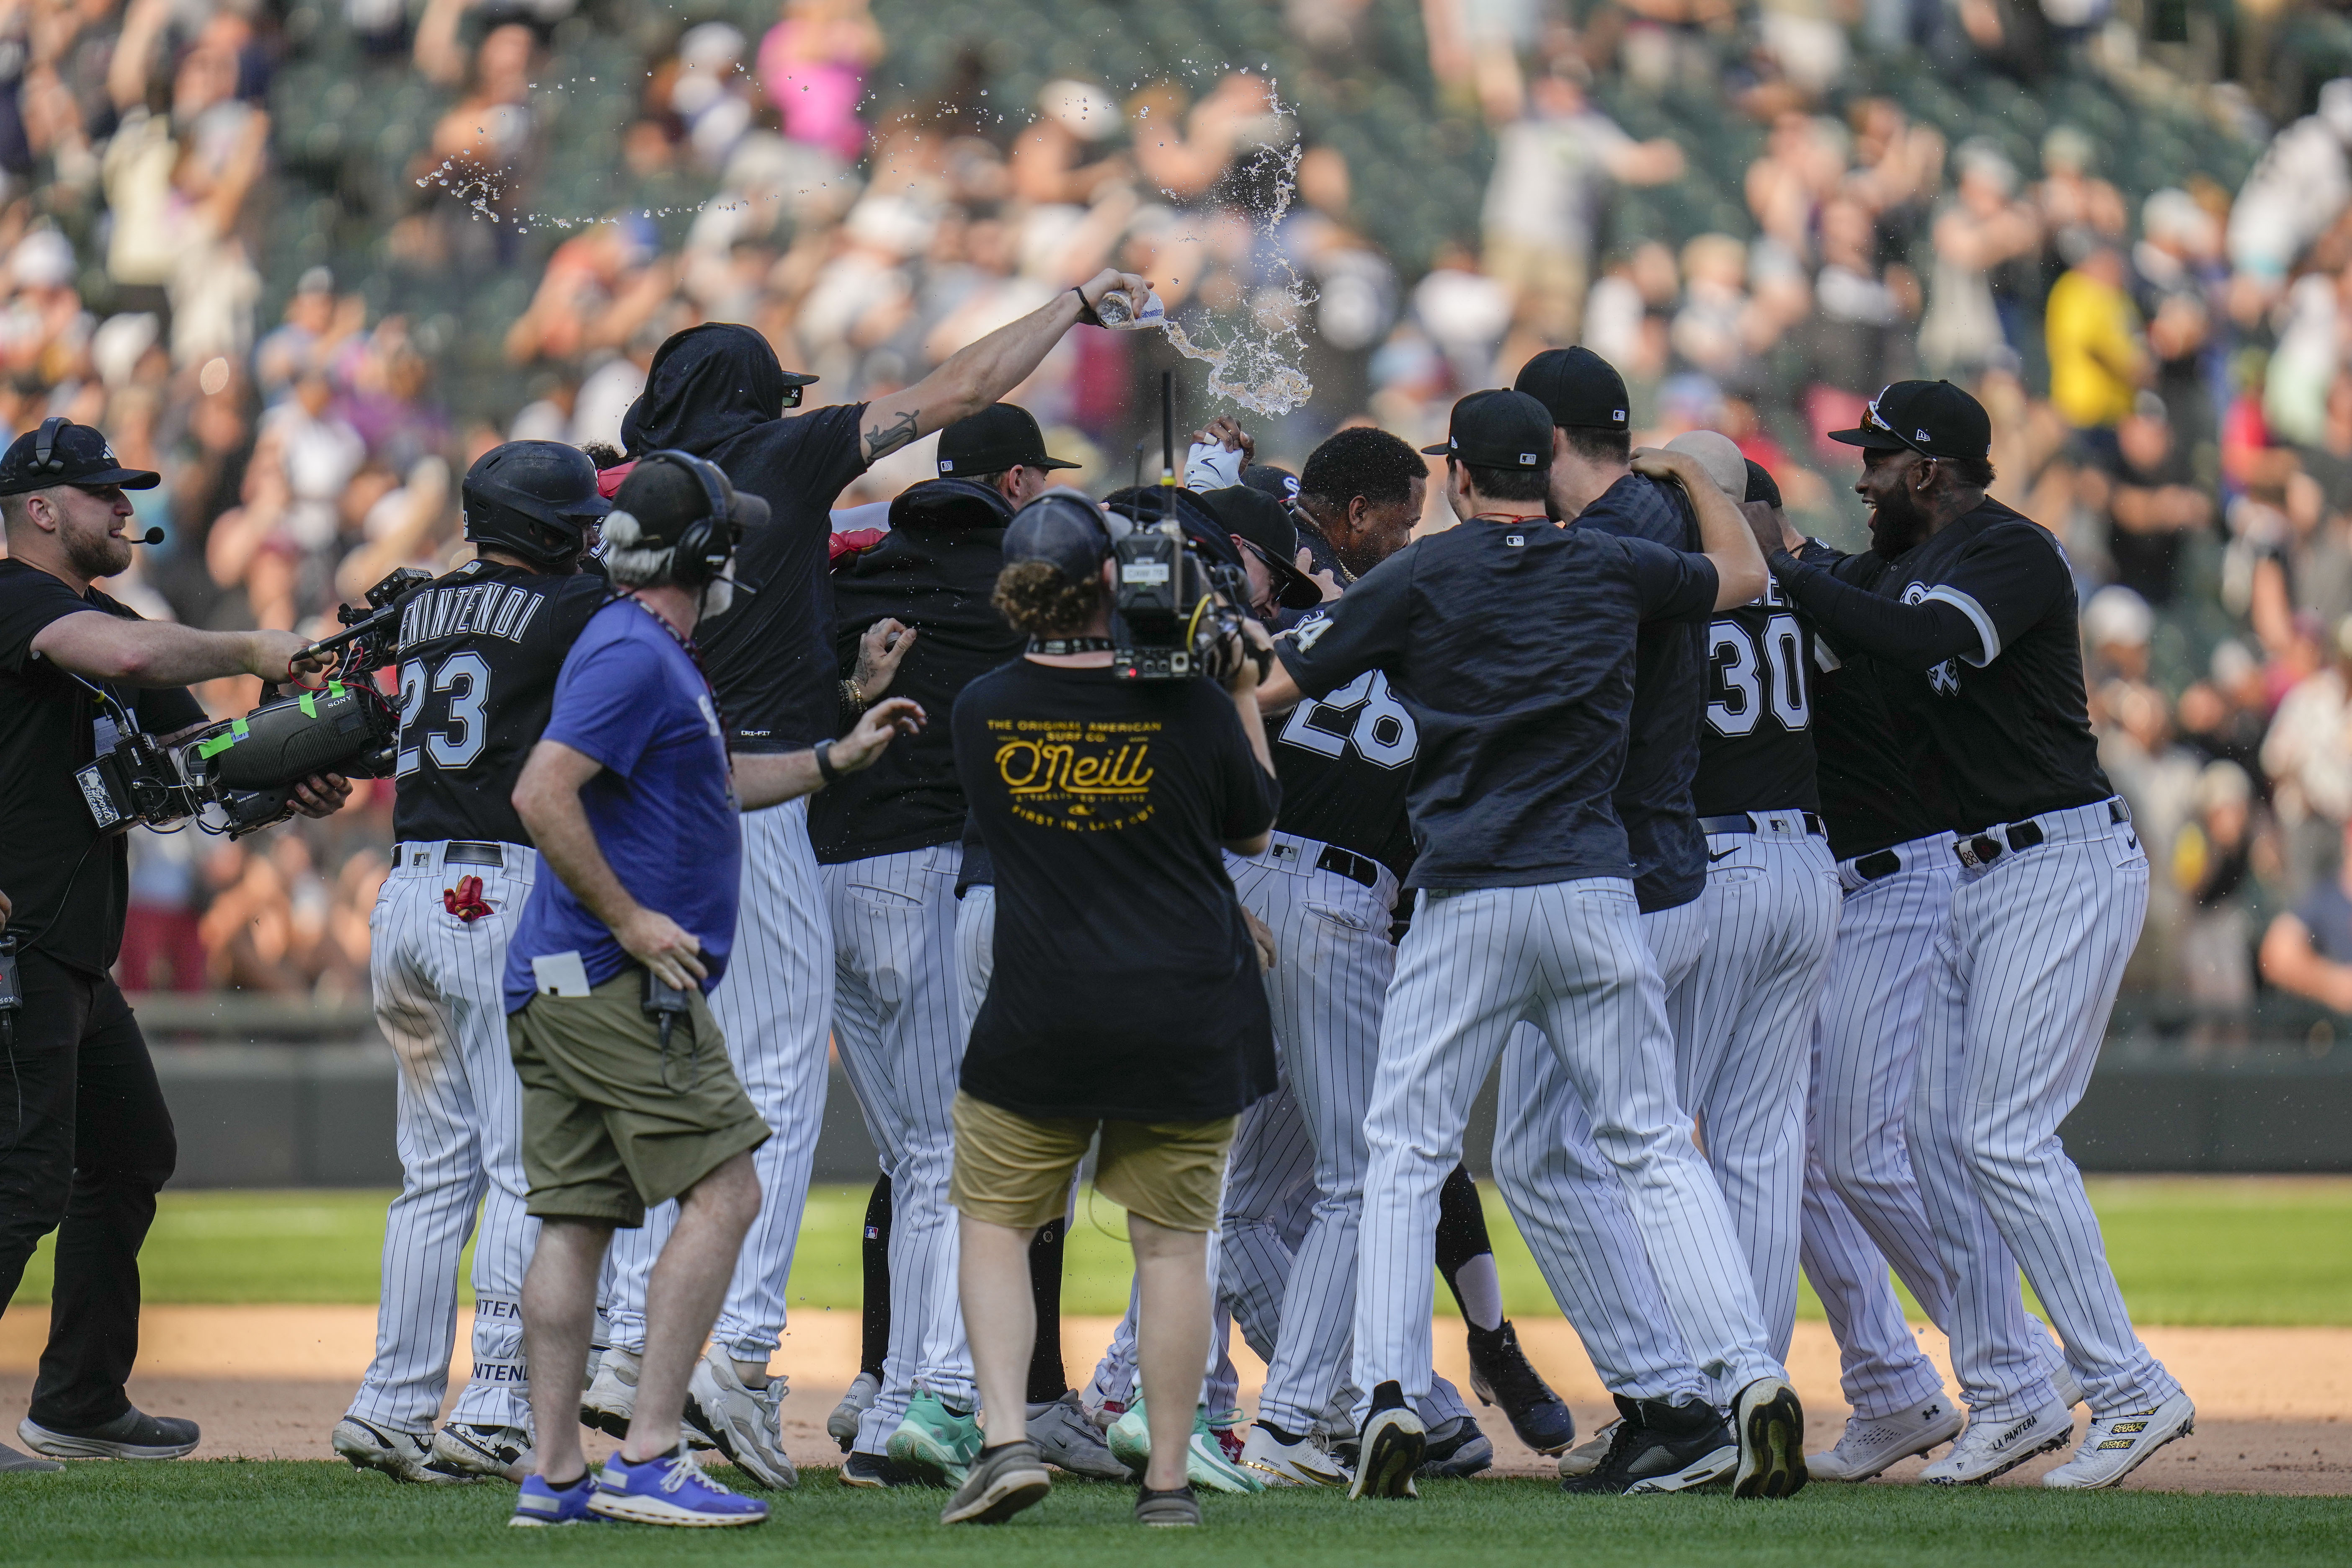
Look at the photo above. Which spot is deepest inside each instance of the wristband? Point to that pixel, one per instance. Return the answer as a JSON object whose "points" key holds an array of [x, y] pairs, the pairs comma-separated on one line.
{"points": [[855, 696], [824, 768], [1086, 312]]}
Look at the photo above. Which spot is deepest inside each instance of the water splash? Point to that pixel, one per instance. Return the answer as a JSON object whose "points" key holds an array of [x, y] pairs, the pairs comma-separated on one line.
{"points": [[1254, 355]]}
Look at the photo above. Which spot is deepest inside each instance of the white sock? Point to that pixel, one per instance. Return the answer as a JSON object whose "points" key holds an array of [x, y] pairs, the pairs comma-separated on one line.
{"points": [[1482, 1292]]}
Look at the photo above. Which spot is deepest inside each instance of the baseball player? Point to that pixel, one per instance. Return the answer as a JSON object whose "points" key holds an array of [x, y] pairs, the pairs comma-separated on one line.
{"points": [[1526, 908], [717, 391], [1972, 606], [479, 654]]}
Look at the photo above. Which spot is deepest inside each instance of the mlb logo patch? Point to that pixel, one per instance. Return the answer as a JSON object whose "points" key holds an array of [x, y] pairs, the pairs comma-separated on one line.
{"points": [[1515, 541], [1616, 413], [947, 464], [1528, 458]]}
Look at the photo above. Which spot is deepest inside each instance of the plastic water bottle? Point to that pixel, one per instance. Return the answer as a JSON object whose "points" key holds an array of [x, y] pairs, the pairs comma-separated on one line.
{"points": [[1116, 309]]}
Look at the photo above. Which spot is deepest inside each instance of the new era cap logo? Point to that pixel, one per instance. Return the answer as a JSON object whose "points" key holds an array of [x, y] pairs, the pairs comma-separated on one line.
{"points": [[1920, 435]]}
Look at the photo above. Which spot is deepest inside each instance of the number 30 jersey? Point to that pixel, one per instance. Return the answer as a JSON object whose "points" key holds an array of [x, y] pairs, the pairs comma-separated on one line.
{"points": [[479, 652], [1344, 760], [1755, 736]]}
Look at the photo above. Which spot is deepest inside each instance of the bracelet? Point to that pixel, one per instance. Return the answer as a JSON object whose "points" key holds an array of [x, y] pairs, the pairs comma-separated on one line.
{"points": [[854, 696], [824, 768], [1086, 312]]}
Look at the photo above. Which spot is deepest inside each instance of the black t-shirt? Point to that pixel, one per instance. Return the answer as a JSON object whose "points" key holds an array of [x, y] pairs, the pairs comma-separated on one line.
{"points": [[1126, 985], [1653, 797], [2146, 563], [479, 652], [1755, 741], [1346, 763], [771, 657], [1511, 646], [69, 889], [937, 579]]}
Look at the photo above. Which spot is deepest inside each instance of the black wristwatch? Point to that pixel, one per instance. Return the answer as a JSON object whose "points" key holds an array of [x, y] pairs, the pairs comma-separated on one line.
{"points": [[824, 768]]}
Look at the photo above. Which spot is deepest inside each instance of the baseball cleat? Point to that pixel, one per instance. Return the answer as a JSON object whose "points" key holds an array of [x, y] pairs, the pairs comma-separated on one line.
{"points": [[1582, 1459], [1206, 1463], [2118, 1444], [541, 1505], [493, 1453], [1987, 1450], [133, 1434], [1294, 1461], [1658, 1447], [1455, 1448], [936, 1440], [1001, 1482], [868, 1471], [747, 1422], [1770, 1426], [1500, 1374], [669, 1489], [1066, 1440], [1871, 1443], [403, 1456], [842, 1424], [1391, 1446]]}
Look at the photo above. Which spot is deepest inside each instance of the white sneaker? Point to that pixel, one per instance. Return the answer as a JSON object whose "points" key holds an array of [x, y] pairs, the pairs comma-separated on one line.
{"points": [[842, 1424], [1987, 1449], [2118, 1444], [1586, 1457], [403, 1456], [747, 1423], [1304, 1463], [499, 1453], [612, 1398], [1068, 1439], [1869, 1445]]}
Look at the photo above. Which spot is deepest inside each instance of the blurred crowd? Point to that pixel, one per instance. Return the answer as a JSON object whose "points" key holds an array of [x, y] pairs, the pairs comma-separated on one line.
{"points": [[2169, 370]]}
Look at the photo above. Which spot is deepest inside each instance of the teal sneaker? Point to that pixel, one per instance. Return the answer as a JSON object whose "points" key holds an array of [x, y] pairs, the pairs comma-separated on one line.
{"points": [[936, 1440], [1206, 1464]]}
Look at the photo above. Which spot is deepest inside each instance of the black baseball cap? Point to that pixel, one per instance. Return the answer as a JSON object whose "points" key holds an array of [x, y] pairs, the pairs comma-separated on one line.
{"points": [[1761, 485], [1581, 390], [1063, 529], [63, 453], [999, 437], [1498, 428], [1264, 523], [1934, 419]]}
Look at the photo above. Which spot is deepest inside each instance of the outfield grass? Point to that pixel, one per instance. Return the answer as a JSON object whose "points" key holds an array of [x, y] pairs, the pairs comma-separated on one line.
{"points": [[226, 1511], [2187, 1251]]}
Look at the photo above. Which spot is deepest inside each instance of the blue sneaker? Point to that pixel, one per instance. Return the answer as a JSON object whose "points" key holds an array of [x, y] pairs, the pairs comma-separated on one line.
{"points": [[669, 1489], [542, 1504]]}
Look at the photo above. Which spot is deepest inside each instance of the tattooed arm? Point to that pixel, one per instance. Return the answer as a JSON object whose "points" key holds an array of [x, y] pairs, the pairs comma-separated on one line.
{"points": [[981, 373]]}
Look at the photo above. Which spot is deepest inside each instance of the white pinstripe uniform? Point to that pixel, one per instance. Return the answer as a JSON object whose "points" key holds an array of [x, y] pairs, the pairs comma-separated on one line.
{"points": [[899, 1019], [440, 1000], [775, 1006]]}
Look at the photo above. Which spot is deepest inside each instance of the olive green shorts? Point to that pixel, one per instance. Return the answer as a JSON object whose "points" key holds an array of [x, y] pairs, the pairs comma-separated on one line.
{"points": [[609, 1127], [1014, 1171]]}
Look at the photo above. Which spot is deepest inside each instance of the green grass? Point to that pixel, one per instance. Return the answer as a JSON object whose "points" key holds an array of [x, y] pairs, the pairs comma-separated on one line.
{"points": [[2187, 1251], [232, 1512]]}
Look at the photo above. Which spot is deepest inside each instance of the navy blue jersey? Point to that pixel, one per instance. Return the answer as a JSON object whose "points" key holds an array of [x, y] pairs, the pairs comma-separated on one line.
{"points": [[1870, 760], [1755, 741]]}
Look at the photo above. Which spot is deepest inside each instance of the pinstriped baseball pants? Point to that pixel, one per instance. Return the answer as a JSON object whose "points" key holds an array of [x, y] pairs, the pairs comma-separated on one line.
{"points": [[1570, 958], [2017, 1006], [775, 1008], [439, 985]]}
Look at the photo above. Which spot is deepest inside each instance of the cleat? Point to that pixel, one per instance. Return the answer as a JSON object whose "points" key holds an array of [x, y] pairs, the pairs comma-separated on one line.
{"points": [[1391, 1444], [1500, 1374], [1870, 1443], [842, 1424], [1771, 1426], [1176, 1510], [1068, 1441], [1206, 1468], [491, 1453], [1455, 1448], [403, 1456], [1292, 1461], [133, 1434], [2118, 1444], [1586, 1457], [1001, 1482], [1658, 1447], [1988, 1450], [746, 1423], [539, 1505], [935, 1440], [869, 1471], [669, 1489]]}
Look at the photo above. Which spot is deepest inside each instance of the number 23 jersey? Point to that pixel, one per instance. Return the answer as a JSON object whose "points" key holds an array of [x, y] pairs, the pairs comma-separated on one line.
{"points": [[479, 652], [1345, 760], [1755, 736]]}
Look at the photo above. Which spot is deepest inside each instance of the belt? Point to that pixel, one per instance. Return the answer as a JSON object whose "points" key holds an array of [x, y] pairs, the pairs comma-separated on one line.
{"points": [[1742, 822], [1978, 850], [1348, 864], [473, 852]]}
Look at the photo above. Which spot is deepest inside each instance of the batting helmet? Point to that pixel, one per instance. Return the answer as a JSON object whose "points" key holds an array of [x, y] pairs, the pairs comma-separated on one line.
{"points": [[534, 498]]}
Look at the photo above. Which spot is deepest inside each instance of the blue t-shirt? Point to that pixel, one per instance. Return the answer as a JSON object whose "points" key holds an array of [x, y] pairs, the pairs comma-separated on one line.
{"points": [[663, 810]]}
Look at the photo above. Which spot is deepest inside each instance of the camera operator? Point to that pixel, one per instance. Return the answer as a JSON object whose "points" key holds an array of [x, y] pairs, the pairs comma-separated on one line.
{"points": [[629, 798], [1103, 803], [479, 654], [77, 670]]}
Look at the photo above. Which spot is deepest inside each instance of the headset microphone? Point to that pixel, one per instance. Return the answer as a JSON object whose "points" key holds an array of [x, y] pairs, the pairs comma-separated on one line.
{"points": [[153, 536]]}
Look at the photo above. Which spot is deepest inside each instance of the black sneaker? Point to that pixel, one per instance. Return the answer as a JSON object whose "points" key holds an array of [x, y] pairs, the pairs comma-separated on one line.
{"points": [[133, 1434], [1501, 1375], [1455, 1448], [1660, 1447], [864, 1470], [1176, 1508], [1001, 1482], [1391, 1443], [1772, 1426]]}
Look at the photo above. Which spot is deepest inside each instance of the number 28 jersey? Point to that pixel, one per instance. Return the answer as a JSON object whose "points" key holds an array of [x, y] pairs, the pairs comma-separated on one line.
{"points": [[1344, 760], [1755, 736], [479, 652]]}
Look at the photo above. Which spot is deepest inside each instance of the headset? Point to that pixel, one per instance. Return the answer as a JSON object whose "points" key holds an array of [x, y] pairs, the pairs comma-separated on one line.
{"points": [[705, 545], [44, 445]]}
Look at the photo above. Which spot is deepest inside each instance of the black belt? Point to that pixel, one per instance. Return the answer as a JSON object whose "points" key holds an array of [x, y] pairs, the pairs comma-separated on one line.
{"points": [[1348, 864], [1981, 849], [1740, 822], [474, 852], [1881, 863]]}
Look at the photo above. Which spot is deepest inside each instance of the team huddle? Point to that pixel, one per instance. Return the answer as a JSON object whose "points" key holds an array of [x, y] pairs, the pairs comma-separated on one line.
{"points": [[1781, 887]]}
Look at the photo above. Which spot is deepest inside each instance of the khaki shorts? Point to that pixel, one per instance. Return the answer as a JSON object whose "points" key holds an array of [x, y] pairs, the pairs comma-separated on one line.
{"points": [[605, 1135], [1014, 1171]]}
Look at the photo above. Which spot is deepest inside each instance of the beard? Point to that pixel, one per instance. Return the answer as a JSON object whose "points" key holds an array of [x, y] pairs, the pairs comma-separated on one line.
{"points": [[96, 554], [719, 594], [1896, 524]]}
